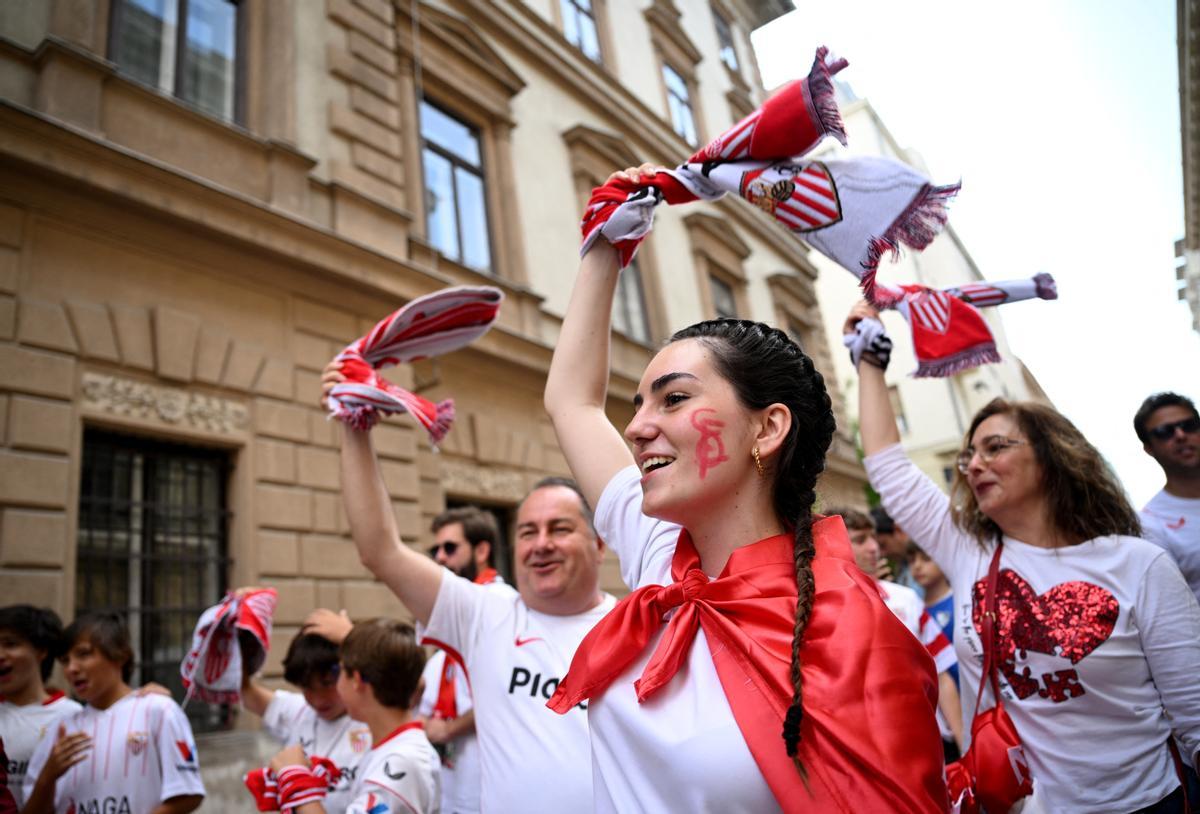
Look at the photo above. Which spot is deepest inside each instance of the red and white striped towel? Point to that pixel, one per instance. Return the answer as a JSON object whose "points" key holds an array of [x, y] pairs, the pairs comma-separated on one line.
{"points": [[428, 326]]}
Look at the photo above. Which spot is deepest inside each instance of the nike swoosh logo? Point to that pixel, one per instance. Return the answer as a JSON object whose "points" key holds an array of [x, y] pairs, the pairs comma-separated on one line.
{"points": [[387, 769], [522, 642], [1177, 526]]}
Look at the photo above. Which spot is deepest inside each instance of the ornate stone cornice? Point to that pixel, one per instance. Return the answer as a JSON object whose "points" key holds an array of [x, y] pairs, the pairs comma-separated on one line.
{"points": [[128, 398]]}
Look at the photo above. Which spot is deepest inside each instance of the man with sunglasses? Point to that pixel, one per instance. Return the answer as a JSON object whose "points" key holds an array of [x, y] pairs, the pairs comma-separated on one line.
{"points": [[1169, 428], [465, 540]]}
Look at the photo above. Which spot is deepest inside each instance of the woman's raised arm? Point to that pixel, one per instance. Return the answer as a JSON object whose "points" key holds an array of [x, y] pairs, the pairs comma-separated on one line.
{"points": [[577, 387], [877, 421], [413, 578]]}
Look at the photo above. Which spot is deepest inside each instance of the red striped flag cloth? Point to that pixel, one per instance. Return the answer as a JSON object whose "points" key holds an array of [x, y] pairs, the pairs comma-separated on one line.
{"points": [[428, 326], [854, 210]]}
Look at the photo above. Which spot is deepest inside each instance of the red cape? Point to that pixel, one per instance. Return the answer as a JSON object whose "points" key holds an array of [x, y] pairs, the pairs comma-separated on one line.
{"points": [[869, 738]]}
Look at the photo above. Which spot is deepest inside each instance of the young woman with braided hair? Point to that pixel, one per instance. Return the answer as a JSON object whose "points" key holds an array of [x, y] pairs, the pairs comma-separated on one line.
{"points": [[749, 616]]}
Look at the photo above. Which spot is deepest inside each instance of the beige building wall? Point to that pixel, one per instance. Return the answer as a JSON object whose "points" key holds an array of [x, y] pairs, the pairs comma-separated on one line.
{"points": [[936, 412], [183, 279]]}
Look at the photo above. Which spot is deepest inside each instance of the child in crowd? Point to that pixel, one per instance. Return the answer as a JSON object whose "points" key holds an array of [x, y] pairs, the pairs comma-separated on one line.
{"points": [[124, 751], [380, 684], [939, 599], [314, 718], [30, 641]]}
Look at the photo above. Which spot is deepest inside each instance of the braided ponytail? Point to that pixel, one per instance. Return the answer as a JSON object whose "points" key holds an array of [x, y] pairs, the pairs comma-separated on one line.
{"points": [[766, 367]]}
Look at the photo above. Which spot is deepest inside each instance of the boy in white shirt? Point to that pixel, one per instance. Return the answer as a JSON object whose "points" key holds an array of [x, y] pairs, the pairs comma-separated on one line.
{"points": [[124, 751], [379, 683], [30, 641], [314, 718]]}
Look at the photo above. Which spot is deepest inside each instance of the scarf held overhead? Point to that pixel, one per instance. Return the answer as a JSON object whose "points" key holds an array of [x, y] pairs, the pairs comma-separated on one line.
{"points": [[854, 210], [869, 738], [231, 639], [428, 326], [949, 333]]}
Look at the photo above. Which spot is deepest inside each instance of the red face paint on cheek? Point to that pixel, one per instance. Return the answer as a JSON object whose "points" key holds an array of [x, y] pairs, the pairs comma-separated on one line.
{"points": [[710, 449]]}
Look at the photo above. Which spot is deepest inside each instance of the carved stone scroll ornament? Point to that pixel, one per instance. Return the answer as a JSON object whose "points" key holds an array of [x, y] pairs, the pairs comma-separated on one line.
{"points": [[170, 405]]}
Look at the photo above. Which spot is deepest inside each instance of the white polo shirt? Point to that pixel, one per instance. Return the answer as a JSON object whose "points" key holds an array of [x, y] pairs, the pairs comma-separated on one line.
{"points": [[400, 775], [142, 753], [531, 759], [344, 741], [21, 727]]}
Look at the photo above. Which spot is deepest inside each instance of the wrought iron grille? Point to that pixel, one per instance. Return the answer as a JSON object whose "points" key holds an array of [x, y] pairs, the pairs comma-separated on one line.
{"points": [[153, 532]]}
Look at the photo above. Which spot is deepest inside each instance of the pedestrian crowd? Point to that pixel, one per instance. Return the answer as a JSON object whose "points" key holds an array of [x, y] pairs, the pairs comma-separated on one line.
{"points": [[1028, 642]]}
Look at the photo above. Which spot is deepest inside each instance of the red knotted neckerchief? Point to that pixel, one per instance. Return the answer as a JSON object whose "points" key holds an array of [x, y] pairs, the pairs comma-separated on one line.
{"points": [[446, 705], [869, 738]]}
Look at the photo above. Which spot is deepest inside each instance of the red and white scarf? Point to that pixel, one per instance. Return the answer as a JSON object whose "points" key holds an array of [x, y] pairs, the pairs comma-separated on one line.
{"points": [[428, 326], [869, 737], [213, 668], [854, 210], [949, 334], [293, 786]]}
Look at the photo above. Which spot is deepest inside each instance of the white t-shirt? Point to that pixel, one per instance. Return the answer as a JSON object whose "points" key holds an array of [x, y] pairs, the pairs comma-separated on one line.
{"points": [[142, 754], [400, 775], [1174, 523], [460, 764], [1107, 646], [344, 741], [531, 759], [680, 750], [21, 727]]}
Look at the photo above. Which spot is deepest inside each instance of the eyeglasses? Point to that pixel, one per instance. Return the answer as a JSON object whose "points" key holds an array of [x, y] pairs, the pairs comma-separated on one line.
{"points": [[1164, 432], [992, 446], [449, 546]]}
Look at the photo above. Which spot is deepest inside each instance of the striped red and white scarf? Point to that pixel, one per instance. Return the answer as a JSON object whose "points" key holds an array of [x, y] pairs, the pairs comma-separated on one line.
{"points": [[853, 210], [428, 326], [949, 334]]}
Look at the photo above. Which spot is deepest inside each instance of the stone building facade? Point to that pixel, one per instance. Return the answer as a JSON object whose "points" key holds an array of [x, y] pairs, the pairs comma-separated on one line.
{"points": [[200, 205]]}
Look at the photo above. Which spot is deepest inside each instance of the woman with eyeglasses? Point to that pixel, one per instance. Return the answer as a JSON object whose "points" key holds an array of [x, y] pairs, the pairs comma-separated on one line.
{"points": [[1098, 634]]}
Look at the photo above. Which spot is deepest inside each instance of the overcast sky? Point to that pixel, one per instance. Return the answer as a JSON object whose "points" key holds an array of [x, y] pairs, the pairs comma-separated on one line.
{"points": [[1061, 117]]}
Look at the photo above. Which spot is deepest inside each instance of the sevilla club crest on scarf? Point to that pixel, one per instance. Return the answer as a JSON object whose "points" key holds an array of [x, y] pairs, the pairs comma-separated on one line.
{"points": [[803, 197]]}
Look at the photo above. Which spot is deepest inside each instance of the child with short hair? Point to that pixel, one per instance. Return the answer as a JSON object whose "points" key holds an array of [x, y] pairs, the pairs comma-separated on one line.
{"points": [[124, 751], [380, 684], [314, 718], [939, 599], [30, 641]]}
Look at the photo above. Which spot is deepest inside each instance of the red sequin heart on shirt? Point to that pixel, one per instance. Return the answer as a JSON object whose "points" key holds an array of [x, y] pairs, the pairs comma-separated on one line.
{"points": [[1070, 621]]}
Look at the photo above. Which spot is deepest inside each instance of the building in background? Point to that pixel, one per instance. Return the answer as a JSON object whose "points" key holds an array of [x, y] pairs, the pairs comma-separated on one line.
{"points": [[933, 414], [1188, 38], [202, 201]]}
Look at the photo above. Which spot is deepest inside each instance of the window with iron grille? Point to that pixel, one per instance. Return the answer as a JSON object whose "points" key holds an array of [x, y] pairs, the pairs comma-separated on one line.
{"points": [[152, 545], [629, 305], [187, 48], [725, 40], [455, 195], [679, 103], [579, 27]]}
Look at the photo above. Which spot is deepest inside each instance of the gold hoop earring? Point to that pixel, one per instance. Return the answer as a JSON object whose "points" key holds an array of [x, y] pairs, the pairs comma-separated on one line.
{"points": [[758, 463]]}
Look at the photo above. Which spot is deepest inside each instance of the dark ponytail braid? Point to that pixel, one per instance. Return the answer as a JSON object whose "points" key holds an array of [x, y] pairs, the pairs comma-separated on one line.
{"points": [[766, 367]]}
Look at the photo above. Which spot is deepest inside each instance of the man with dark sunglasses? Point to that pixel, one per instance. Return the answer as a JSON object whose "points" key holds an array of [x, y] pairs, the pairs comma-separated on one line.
{"points": [[1169, 428], [465, 540]]}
